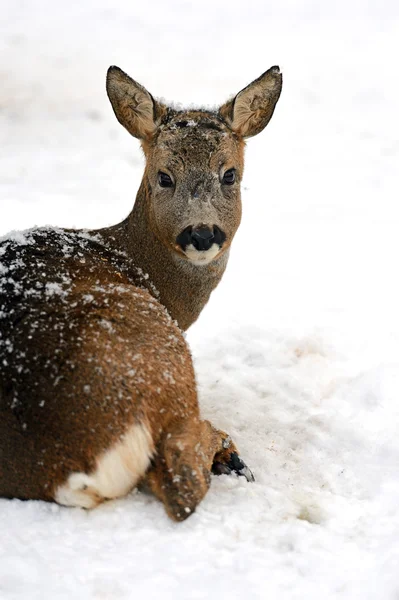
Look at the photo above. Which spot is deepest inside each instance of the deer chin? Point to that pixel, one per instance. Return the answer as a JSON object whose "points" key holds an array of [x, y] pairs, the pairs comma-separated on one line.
{"points": [[201, 257]]}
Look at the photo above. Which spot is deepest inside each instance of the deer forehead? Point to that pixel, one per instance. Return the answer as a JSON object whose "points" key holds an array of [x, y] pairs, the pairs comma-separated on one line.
{"points": [[191, 141]]}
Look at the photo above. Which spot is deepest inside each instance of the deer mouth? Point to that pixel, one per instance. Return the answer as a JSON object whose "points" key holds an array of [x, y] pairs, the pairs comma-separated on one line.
{"points": [[202, 257], [201, 244]]}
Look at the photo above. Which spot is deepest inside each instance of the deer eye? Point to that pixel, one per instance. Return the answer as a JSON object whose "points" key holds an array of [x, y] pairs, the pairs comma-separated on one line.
{"points": [[164, 180], [229, 177]]}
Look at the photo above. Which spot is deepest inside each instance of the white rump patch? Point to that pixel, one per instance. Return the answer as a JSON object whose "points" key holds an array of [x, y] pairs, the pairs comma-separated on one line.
{"points": [[202, 257], [117, 472]]}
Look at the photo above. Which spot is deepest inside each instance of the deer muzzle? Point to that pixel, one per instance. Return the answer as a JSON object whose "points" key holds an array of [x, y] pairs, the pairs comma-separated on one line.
{"points": [[201, 244], [202, 238]]}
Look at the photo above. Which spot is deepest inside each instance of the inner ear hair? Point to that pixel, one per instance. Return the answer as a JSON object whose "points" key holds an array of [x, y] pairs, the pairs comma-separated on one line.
{"points": [[133, 105], [251, 110]]}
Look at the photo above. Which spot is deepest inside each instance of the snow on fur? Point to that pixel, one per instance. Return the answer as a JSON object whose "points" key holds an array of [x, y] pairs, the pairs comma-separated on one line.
{"points": [[297, 354]]}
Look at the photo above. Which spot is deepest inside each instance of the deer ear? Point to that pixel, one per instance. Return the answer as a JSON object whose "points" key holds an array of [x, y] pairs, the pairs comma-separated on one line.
{"points": [[133, 106], [251, 110]]}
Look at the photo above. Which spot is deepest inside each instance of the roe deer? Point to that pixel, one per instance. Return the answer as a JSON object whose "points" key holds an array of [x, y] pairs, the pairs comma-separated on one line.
{"points": [[97, 388]]}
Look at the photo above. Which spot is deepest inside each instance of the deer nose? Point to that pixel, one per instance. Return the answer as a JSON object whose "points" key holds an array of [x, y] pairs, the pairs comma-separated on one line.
{"points": [[202, 237]]}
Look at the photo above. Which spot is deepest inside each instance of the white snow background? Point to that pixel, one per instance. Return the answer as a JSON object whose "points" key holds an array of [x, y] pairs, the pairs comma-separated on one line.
{"points": [[297, 353]]}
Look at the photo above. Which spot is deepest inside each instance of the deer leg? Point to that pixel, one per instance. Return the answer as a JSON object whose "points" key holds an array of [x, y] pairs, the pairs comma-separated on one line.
{"points": [[180, 474]]}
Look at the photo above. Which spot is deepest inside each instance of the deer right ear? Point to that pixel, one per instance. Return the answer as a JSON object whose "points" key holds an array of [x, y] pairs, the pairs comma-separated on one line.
{"points": [[251, 110], [133, 106]]}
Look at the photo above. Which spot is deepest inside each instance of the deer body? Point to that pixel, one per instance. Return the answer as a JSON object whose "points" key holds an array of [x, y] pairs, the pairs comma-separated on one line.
{"points": [[97, 388]]}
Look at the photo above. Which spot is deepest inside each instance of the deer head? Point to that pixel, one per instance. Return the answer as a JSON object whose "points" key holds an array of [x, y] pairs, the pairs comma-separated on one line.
{"points": [[194, 161]]}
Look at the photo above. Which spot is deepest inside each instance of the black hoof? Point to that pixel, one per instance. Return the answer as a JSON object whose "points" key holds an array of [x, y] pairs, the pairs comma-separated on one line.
{"points": [[235, 465], [219, 468]]}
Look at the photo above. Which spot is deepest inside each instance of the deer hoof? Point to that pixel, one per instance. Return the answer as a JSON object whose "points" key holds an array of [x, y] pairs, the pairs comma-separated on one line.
{"points": [[234, 464]]}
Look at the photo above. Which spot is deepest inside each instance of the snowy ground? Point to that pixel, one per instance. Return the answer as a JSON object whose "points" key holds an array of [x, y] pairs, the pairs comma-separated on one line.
{"points": [[297, 354]]}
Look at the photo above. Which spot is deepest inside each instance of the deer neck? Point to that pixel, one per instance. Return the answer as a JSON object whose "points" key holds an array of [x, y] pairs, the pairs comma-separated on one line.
{"points": [[183, 288]]}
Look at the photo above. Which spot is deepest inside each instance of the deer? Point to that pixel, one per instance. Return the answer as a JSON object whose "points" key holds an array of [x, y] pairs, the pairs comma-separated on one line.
{"points": [[97, 386]]}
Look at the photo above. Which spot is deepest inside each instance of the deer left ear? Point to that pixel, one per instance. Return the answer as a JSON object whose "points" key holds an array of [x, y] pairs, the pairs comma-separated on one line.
{"points": [[251, 110]]}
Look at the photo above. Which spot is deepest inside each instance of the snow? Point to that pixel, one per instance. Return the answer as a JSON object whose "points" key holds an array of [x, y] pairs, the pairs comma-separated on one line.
{"points": [[297, 353]]}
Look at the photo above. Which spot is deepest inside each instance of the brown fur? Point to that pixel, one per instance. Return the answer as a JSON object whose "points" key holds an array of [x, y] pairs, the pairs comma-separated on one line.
{"points": [[90, 324]]}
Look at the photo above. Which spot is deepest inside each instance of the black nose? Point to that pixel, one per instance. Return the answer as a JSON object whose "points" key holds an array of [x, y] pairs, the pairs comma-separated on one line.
{"points": [[202, 238]]}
